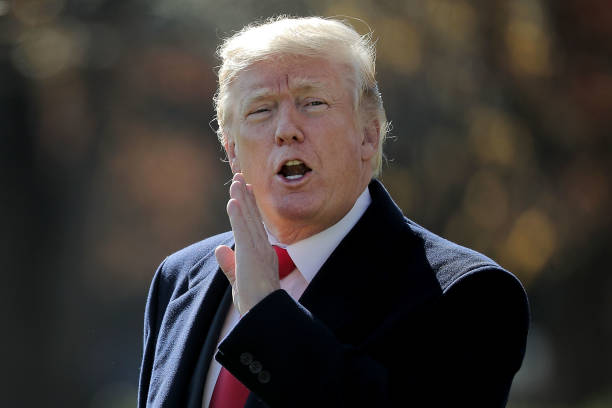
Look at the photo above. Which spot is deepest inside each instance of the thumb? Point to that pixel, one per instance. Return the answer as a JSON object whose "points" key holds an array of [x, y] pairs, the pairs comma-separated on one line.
{"points": [[227, 262]]}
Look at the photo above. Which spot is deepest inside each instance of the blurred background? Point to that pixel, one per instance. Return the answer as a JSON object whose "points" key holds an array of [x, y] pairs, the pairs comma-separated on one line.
{"points": [[502, 124]]}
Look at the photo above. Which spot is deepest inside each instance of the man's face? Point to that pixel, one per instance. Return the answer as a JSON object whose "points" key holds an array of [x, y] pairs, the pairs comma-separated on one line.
{"points": [[296, 137]]}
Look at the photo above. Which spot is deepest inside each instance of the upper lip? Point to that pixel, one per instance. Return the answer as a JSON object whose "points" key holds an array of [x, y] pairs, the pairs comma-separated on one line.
{"points": [[285, 161]]}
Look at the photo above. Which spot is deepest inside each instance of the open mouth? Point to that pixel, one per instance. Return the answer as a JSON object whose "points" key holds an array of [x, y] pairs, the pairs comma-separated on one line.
{"points": [[294, 170]]}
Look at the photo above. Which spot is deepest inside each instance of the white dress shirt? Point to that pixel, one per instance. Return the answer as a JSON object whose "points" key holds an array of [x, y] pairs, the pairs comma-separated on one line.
{"points": [[308, 255]]}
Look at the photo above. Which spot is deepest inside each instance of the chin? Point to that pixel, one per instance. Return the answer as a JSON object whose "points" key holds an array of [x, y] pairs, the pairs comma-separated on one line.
{"points": [[296, 208], [296, 212]]}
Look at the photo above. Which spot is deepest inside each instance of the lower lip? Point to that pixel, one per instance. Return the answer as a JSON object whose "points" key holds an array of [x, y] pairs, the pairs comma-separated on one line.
{"points": [[295, 182]]}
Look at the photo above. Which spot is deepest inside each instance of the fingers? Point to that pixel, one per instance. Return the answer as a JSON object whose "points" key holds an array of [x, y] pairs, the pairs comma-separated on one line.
{"points": [[242, 192], [227, 262], [252, 267], [238, 222], [243, 212]]}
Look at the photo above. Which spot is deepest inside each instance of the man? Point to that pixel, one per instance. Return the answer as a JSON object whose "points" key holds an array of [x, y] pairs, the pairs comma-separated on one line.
{"points": [[375, 310]]}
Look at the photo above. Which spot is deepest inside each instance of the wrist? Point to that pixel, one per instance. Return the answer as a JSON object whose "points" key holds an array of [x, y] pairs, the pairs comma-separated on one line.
{"points": [[257, 293]]}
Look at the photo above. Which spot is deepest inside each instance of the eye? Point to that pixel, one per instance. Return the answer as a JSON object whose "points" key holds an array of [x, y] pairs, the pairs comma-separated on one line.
{"points": [[315, 104], [258, 111]]}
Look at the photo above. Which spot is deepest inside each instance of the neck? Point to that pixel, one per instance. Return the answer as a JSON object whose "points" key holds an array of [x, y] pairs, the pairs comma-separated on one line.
{"points": [[289, 232]]}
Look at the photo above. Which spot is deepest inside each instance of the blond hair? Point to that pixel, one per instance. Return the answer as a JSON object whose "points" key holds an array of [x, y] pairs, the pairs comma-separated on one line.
{"points": [[307, 36]]}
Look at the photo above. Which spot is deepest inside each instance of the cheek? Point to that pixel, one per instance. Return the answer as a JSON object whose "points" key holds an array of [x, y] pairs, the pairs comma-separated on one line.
{"points": [[253, 157], [254, 137]]}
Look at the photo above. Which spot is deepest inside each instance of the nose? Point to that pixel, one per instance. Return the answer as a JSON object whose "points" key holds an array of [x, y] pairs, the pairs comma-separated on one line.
{"points": [[288, 129]]}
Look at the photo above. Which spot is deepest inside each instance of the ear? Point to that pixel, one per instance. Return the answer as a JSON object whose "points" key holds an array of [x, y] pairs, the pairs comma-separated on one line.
{"points": [[369, 142], [230, 150]]}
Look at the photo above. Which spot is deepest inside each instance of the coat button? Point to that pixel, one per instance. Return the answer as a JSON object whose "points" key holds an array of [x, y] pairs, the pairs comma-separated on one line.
{"points": [[255, 367], [246, 358], [264, 377]]}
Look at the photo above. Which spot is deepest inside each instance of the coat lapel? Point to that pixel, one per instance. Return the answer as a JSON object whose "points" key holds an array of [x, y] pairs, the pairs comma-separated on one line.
{"points": [[196, 388], [379, 264], [190, 320]]}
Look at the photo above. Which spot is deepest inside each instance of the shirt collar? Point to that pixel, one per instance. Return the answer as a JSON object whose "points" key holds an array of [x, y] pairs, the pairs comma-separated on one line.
{"points": [[311, 253]]}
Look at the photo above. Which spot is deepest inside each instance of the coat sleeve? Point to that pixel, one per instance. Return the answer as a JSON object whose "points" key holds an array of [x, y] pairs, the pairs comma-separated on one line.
{"points": [[462, 349], [486, 320]]}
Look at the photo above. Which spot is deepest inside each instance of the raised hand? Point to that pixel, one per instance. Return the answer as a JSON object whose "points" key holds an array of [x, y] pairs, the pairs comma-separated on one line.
{"points": [[252, 269]]}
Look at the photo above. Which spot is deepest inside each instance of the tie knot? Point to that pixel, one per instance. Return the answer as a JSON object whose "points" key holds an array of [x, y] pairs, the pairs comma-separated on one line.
{"points": [[285, 263]]}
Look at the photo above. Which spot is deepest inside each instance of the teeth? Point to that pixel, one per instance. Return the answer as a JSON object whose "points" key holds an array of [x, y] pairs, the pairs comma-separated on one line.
{"points": [[294, 169]]}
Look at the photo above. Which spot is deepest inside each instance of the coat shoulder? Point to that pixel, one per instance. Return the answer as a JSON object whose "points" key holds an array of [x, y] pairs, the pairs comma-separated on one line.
{"points": [[452, 262], [183, 260]]}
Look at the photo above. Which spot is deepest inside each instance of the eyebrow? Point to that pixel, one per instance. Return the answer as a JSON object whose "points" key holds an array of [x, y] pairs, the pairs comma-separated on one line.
{"points": [[299, 85]]}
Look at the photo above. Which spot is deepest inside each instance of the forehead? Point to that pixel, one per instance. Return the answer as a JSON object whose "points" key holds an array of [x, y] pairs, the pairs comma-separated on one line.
{"points": [[291, 74]]}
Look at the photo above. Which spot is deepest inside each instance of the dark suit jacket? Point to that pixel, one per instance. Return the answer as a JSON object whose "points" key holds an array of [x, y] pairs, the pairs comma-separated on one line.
{"points": [[397, 316]]}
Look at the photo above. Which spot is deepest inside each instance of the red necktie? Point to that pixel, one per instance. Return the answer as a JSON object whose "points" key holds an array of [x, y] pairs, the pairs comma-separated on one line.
{"points": [[229, 392], [285, 263]]}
